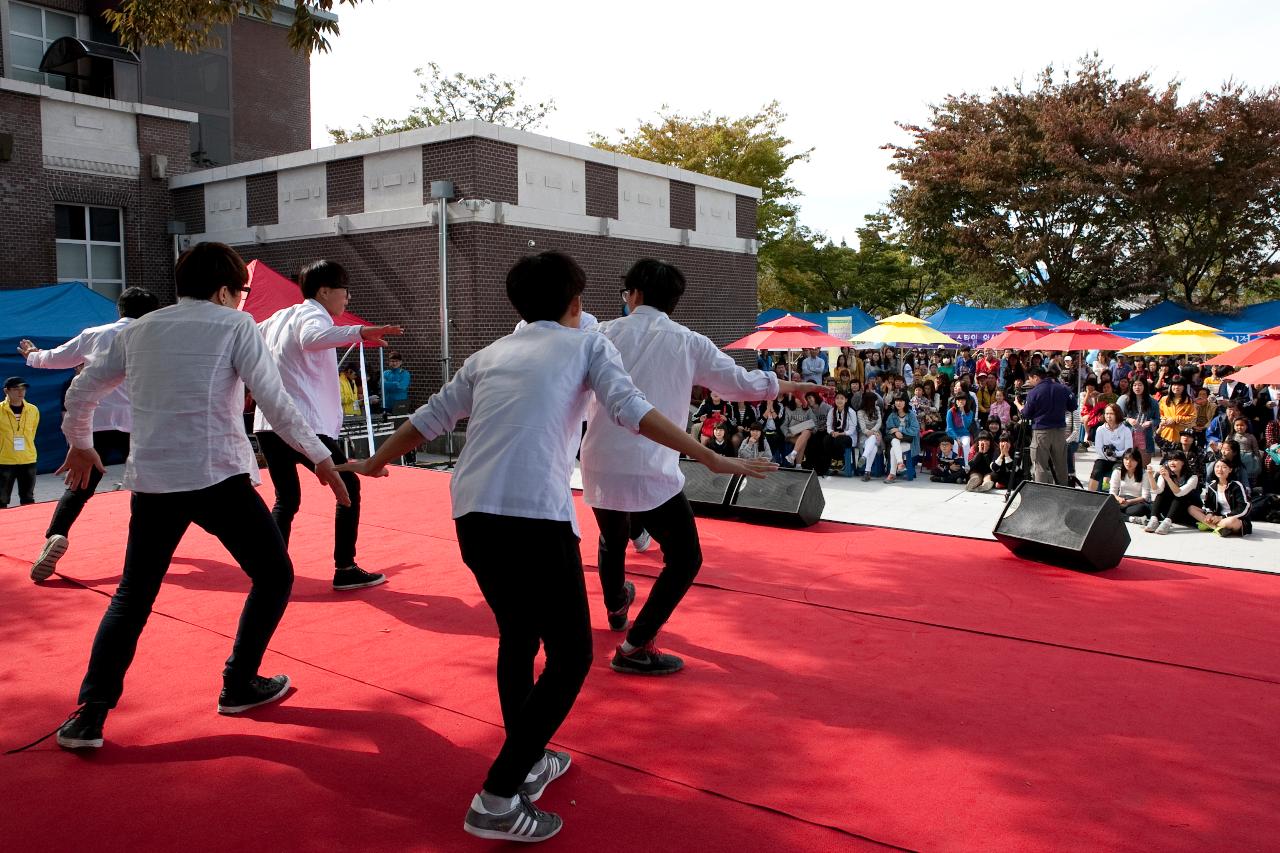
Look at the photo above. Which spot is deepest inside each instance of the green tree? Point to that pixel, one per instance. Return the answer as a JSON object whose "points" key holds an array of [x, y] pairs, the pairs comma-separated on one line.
{"points": [[188, 25], [749, 150], [453, 97]]}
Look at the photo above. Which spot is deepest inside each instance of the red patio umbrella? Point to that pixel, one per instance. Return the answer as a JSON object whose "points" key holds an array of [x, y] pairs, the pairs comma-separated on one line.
{"points": [[796, 338], [1263, 373], [1020, 335], [269, 291], [1262, 348], [788, 321], [1081, 335]]}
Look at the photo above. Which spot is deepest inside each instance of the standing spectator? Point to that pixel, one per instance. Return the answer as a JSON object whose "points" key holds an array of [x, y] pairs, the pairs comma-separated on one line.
{"points": [[1177, 411], [348, 391], [1113, 438], [1141, 413], [1046, 410], [1250, 452], [18, 423], [395, 383], [812, 367], [112, 420], [1174, 493], [1129, 487], [903, 429]]}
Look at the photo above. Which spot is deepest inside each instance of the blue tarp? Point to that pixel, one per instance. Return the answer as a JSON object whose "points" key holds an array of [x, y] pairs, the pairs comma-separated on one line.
{"points": [[859, 320], [1246, 322], [972, 326], [48, 316]]}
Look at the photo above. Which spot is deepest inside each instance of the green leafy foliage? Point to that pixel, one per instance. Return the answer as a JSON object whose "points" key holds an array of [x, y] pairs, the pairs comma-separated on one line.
{"points": [[188, 25]]}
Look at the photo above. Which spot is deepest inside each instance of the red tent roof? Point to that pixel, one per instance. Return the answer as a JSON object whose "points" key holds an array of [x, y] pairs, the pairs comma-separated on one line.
{"points": [[269, 291]]}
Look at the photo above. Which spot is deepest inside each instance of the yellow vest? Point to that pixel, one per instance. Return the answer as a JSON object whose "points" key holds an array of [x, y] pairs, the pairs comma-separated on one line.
{"points": [[349, 396], [18, 429]]}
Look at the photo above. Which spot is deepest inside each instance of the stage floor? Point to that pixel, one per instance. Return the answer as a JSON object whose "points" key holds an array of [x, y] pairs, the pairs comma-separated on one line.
{"points": [[847, 687]]}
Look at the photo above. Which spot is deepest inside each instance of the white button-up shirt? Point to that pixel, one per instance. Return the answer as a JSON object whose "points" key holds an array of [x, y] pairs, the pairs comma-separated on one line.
{"points": [[586, 324], [665, 359], [525, 394], [86, 348], [302, 339], [185, 368]]}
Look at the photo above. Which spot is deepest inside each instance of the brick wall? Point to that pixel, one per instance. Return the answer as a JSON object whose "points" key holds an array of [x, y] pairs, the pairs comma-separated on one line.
{"points": [[395, 279], [262, 199], [188, 207], [345, 186], [270, 91], [746, 216], [684, 208], [602, 190], [153, 245], [479, 168], [26, 217]]}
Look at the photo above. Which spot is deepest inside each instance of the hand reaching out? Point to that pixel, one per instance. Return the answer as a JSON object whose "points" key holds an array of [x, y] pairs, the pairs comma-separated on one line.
{"points": [[26, 347], [754, 468], [374, 334], [365, 468]]}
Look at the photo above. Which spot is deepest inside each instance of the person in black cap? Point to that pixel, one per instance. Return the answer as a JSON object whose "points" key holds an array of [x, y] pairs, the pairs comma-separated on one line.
{"points": [[18, 423], [1046, 409]]}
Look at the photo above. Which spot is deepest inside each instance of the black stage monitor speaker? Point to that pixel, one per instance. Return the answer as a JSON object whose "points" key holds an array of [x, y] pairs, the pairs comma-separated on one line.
{"points": [[786, 496], [707, 492], [1062, 526]]}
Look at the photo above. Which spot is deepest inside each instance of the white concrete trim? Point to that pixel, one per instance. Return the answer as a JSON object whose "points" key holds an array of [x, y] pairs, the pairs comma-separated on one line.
{"points": [[483, 130], [22, 87], [499, 213], [90, 167]]}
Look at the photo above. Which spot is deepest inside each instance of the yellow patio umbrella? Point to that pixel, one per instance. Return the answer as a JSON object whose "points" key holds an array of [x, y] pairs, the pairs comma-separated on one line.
{"points": [[1187, 337], [904, 329]]}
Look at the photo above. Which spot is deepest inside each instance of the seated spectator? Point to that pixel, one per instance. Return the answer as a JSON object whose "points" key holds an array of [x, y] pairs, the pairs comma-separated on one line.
{"points": [[950, 467], [869, 425], [798, 427], [1225, 502], [1270, 479], [1113, 438], [987, 393], [1206, 411], [842, 428], [754, 446], [1229, 452], [720, 442], [960, 424], [1001, 408], [771, 417], [712, 411], [1250, 452], [1091, 409], [1003, 464], [1107, 392], [904, 437], [1130, 488], [818, 460], [980, 476], [1174, 492], [1222, 426]]}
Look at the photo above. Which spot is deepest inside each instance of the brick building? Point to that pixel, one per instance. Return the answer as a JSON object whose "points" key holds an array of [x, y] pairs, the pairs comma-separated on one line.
{"points": [[214, 147]]}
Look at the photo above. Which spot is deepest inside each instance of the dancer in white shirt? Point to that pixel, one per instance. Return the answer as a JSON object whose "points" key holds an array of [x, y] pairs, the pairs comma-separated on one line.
{"points": [[185, 368], [302, 339], [112, 420], [514, 512], [622, 475]]}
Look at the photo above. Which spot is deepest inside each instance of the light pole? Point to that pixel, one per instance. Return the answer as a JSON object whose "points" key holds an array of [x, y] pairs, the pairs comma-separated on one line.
{"points": [[442, 192]]}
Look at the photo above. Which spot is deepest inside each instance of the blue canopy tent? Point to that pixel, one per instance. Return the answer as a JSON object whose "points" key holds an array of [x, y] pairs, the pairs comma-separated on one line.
{"points": [[48, 316], [972, 326], [843, 323], [1239, 326]]}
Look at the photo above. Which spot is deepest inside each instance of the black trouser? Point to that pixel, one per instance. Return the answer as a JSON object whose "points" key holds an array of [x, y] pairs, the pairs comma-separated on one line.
{"points": [[282, 464], [233, 512], [816, 454], [673, 526], [1171, 506], [108, 443], [25, 476], [530, 573], [835, 446]]}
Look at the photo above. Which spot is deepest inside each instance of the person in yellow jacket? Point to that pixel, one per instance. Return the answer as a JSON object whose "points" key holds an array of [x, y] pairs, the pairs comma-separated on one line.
{"points": [[349, 390], [1177, 411], [18, 423]]}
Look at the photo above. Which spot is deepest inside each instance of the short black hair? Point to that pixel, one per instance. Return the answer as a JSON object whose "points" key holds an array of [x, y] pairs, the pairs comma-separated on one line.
{"points": [[134, 302], [661, 283], [318, 274], [541, 286], [394, 356], [206, 267]]}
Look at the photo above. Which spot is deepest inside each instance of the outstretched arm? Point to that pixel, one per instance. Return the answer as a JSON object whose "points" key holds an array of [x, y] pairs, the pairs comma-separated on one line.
{"points": [[658, 428]]}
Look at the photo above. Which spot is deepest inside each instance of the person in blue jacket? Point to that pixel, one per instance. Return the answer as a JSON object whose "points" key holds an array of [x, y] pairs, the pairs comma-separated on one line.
{"points": [[395, 383], [959, 421], [903, 430]]}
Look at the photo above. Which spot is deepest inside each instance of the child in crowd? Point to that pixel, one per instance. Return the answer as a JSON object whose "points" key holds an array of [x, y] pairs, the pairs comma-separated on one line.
{"points": [[720, 442], [1002, 462], [980, 476], [950, 467], [1174, 493], [755, 446], [1129, 487]]}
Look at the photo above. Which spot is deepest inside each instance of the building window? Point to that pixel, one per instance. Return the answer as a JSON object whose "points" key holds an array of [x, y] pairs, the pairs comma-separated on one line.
{"points": [[90, 247], [31, 30], [198, 82]]}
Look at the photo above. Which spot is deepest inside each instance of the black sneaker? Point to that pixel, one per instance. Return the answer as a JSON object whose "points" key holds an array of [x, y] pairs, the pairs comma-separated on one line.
{"points": [[618, 618], [525, 822], [645, 660], [554, 767], [354, 577], [257, 691], [84, 729], [54, 547]]}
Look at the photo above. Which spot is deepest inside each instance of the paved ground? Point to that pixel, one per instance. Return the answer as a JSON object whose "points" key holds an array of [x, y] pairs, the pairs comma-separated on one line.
{"points": [[937, 508]]}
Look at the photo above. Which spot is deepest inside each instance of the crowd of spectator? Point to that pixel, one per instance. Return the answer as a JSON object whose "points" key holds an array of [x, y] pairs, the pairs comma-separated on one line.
{"points": [[1175, 442]]}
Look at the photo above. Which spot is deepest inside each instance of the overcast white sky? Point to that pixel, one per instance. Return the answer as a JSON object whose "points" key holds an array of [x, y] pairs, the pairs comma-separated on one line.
{"points": [[843, 72]]}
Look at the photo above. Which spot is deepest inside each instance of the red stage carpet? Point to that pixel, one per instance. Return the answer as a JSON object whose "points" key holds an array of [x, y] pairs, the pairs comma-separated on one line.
{"points": [[847, 687]]}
